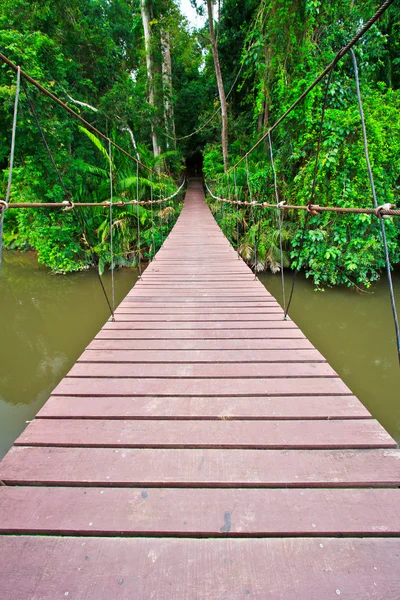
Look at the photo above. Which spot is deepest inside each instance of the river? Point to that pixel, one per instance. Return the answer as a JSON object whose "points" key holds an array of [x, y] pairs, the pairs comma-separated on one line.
{"points": [[47, 320]]}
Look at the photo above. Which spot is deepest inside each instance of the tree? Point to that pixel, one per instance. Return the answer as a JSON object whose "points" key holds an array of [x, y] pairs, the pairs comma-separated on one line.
{"points": [[167, 85], [145, 8], [220, 84]]}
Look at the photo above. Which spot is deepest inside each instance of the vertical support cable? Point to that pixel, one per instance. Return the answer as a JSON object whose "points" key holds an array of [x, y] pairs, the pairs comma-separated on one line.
{"points": [[152, 217], [237, 213], [222, 205], [111, 233], [138, 220], [4, 203], [313, 188], [252, 212], [159, 214], [278, 206], [375, 201], [231, 211]]}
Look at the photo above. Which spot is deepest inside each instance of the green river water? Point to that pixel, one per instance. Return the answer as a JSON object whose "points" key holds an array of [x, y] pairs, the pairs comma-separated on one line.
{"points": [[48, 320]]}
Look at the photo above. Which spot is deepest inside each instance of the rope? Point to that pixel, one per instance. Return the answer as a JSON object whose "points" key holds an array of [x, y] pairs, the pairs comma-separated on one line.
{"points": [[278, 206], [342, 52], [118, 204], [315, 208], [378, 209], [111, 235], [5, 202]]}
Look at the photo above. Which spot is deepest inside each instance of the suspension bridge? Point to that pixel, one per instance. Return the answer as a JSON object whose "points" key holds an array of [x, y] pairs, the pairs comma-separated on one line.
{"points": [[200, 447]]}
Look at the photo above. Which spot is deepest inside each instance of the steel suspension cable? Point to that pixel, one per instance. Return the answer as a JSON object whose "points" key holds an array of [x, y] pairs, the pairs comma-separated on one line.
{"points": [[4, 203], [138, 221], [342, 52], [76, 115], [255, 249], [68, 203], [214, 114], [375, 202], [44, 140], [279, 207], [111, 235], [237, 214], [312, 195], [152, 218]]}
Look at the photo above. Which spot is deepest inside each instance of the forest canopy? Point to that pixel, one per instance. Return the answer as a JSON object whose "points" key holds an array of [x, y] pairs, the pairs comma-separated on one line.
{"points": [[165, 92]]}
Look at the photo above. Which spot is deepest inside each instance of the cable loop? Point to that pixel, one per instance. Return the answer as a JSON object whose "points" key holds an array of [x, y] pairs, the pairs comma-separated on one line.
{"points": [[69, 205], [379, 209], [3, 206], [312, 209]]}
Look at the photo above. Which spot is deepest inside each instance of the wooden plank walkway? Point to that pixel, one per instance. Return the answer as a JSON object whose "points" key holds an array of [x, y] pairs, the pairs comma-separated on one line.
{"points": [[200, 448]]}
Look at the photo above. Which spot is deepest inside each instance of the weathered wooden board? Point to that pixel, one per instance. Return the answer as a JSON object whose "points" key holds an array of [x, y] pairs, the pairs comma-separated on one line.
{"points": [[125, 316], [361, 433], [199, 334], [187, 370], [160, 326], [207, 344], [199, 512], [201, 356], [279, 407], [201, 468], [92, 386], [122, 569]]}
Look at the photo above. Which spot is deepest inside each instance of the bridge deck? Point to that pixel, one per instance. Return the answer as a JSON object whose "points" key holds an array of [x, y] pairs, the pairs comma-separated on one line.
{"points": [[201, 447]]}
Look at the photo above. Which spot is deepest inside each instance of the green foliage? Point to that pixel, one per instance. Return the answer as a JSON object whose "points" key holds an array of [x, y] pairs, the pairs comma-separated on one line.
{"points": [[285, 45], [91, 54]]}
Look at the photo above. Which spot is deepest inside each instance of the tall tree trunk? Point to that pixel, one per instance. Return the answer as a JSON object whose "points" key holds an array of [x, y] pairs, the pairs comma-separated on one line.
{"points": [[167, 85], [144, 9], [221, 91], [267, 95]]}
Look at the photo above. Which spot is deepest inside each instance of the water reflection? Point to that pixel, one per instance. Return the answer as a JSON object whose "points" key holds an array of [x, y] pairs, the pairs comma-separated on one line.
{"points": [[46, 322], [355, 333]]}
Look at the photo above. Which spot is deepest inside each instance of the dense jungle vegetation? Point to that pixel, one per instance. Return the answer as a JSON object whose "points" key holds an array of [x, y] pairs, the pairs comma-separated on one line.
{"points": [[138, 71]]}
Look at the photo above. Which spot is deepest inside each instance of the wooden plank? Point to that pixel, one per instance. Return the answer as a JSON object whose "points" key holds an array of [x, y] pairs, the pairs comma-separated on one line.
{"points": [[201, 356], [131, 316], [187, 569], [151, 286], [201, 467], [122, 324], [210, 345], [199, 512], [281, 407], [359, 433], [200, 334], [88, 386], [126, 308], [202, 370], [212, 295]]}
